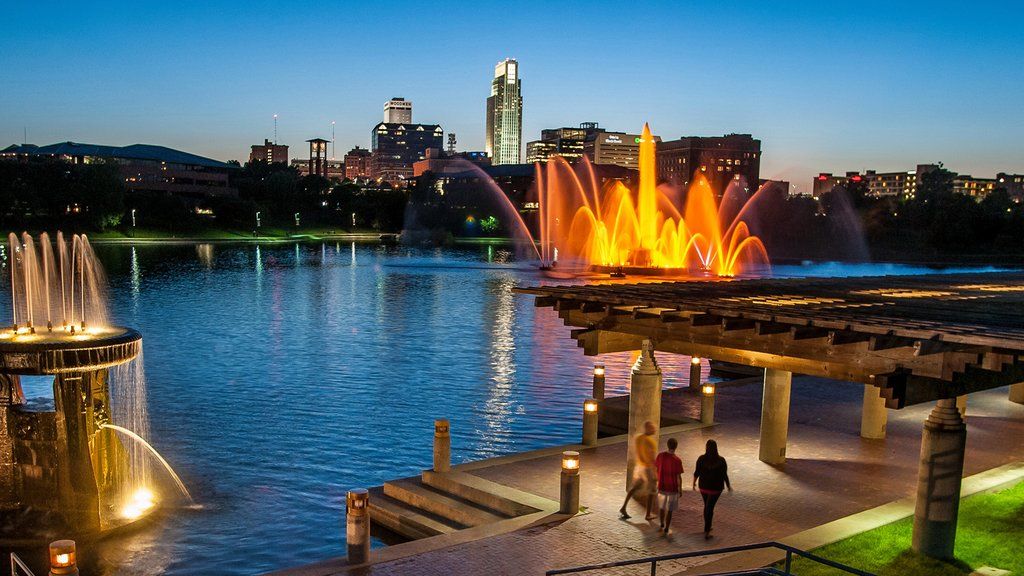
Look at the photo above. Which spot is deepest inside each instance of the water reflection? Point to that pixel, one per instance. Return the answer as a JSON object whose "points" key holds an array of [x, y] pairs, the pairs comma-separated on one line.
{"points": [[498, 409]]}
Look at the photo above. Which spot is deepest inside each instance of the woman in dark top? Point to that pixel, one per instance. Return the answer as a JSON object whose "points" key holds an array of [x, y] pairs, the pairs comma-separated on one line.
{"points": [[711, 476]]}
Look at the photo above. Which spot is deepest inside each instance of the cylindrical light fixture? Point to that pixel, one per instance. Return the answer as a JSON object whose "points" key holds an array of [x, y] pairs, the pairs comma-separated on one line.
{"points": [[599, 381], [63, 558], [442, 446], [590, 406], [357, 525], [694, 374], [569, 495], [707, 404]]}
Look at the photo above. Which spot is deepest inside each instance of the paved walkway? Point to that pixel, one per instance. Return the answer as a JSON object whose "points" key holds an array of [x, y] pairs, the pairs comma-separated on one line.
{"points": [[831, 473]]}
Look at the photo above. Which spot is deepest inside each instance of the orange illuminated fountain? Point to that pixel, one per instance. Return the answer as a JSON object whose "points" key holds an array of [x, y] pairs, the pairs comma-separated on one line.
{"points": [[653, 230]]}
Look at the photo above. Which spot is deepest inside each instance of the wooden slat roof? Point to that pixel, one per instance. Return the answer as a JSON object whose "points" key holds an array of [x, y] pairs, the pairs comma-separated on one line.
{"points": [[984, 309]]}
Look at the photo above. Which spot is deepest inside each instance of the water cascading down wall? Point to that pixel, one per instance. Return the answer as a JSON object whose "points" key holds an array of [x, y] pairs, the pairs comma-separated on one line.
{"points": [[60, 469]]}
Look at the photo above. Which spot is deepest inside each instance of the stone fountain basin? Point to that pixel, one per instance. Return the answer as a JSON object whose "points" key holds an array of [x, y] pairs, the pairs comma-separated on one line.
{"points": [[60, 352]]}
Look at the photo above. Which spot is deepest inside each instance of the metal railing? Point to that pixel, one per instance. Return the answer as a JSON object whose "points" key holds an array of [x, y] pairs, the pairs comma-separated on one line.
{"points": [[17, 563], [786, 571]]}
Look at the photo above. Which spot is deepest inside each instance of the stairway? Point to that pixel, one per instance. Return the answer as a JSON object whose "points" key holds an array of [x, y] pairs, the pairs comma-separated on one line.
{"points": [[440, 503]]}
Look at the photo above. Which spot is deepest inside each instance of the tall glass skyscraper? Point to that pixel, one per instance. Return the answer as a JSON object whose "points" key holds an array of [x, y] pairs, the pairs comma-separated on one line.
{"points": [[505, 114]]}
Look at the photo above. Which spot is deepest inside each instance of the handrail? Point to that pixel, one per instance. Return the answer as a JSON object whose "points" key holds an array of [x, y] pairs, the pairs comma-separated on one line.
{"points": [[653, 560], [16, 562]]}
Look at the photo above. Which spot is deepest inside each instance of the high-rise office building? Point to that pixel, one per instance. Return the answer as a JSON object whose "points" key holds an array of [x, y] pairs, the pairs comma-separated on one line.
{"points": [[564, 142], [396, 147], [269, 152], [398, 111], [720, 159], [505, 114], [616, 148]]}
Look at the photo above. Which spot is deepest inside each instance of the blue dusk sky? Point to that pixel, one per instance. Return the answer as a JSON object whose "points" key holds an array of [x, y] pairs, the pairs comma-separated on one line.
{"points": [[826, 86]]}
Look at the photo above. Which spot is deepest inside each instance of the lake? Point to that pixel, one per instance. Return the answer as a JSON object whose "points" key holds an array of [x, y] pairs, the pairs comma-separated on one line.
{"points": [[281, 375]]}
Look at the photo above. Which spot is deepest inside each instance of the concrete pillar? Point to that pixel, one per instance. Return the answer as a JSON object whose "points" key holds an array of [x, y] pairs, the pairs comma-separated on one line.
{"points": [[961, 405], [442, 446], [873, 414], [707, 404], [938, 481], [695, 374], [644, 401], [775, 415], [1017, 393], [590, 407], [357, 525], [599, 381], [569, 487]]}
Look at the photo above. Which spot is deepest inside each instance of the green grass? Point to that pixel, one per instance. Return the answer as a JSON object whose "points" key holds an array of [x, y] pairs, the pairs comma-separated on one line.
{"points": [[266, 232], [990, 532]]}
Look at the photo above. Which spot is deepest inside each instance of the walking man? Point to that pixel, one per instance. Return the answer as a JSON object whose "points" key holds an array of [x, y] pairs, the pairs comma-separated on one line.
{"points": [[670, 483], [645, 479]]}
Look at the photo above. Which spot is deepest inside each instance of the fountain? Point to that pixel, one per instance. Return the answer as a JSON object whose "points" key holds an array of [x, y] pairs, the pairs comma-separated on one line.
{"points": [[66, 469], [612, 229]]}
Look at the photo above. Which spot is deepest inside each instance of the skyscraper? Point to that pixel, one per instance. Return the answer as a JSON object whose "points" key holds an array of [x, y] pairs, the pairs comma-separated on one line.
{"points": [[505, 114], [398, 111]]}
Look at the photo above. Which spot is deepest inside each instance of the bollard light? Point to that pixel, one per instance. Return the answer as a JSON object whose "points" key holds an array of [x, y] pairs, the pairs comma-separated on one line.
{"points": [[599, 381], [590, 422], [442, 446], [63, 558], [707, 404], [569, 490], [570, 461], [357, 525], [694, 374]]}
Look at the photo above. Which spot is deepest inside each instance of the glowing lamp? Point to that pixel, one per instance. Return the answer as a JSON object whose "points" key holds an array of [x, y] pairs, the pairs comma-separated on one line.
{"points": [[598, 369], [357, 500], [708, 389], [570, 461], [695, 361], [590, 405], [63, 558]]}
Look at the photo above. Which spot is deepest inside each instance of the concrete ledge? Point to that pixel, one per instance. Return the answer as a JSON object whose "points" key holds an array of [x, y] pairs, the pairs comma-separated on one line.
{"points": [[992, 480]]}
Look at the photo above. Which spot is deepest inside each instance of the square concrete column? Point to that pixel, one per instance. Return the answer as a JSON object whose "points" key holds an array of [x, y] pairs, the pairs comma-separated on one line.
{"points": [[1017, 393], [938, 481], [644, 401], [873, 415], [775, 415]]}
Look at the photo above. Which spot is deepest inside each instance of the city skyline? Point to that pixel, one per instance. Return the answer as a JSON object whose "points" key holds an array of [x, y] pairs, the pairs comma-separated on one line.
{"points": [[867, 87]]}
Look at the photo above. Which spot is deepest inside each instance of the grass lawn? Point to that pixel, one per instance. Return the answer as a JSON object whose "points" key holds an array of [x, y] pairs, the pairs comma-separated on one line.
{"points": [[266, 232], [990, 532]]}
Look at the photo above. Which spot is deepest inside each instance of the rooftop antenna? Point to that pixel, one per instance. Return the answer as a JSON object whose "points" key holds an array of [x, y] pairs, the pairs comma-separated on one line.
{"points": [[332, 141], [24, 135], [275, 129]]}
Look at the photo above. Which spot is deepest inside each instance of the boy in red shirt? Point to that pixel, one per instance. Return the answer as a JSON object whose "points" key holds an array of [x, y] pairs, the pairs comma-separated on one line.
{"points": [[670, 484]]}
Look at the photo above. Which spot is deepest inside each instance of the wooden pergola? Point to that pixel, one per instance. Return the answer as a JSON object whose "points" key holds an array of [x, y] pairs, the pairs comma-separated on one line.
{"points": [[908, 339], [917, 338]]}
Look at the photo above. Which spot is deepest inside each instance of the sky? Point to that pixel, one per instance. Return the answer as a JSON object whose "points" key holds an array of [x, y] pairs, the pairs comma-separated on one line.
{"points": [[826, 86]]}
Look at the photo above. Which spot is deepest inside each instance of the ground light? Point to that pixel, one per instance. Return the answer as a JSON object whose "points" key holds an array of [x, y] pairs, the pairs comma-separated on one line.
{"points": [[694, 373], [599, 381], [141, 501], [707, 404], [63, 558]]}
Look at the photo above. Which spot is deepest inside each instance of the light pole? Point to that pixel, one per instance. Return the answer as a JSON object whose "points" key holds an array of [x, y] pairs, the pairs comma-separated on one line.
{"points": [[133, 222], [353, 220], [257, 230], [296, 219]]}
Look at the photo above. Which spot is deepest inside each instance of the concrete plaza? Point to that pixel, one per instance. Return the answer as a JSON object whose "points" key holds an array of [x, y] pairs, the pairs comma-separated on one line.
{"points": [[830, 473]]}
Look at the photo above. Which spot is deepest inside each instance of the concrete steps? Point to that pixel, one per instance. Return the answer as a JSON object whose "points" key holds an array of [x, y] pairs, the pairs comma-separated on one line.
{"points": [[413, 492], [483, 492], [404, 520]]}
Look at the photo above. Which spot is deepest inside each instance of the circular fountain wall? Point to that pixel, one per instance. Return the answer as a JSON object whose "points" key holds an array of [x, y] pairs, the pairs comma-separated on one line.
{"points": [[62, 352]]}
